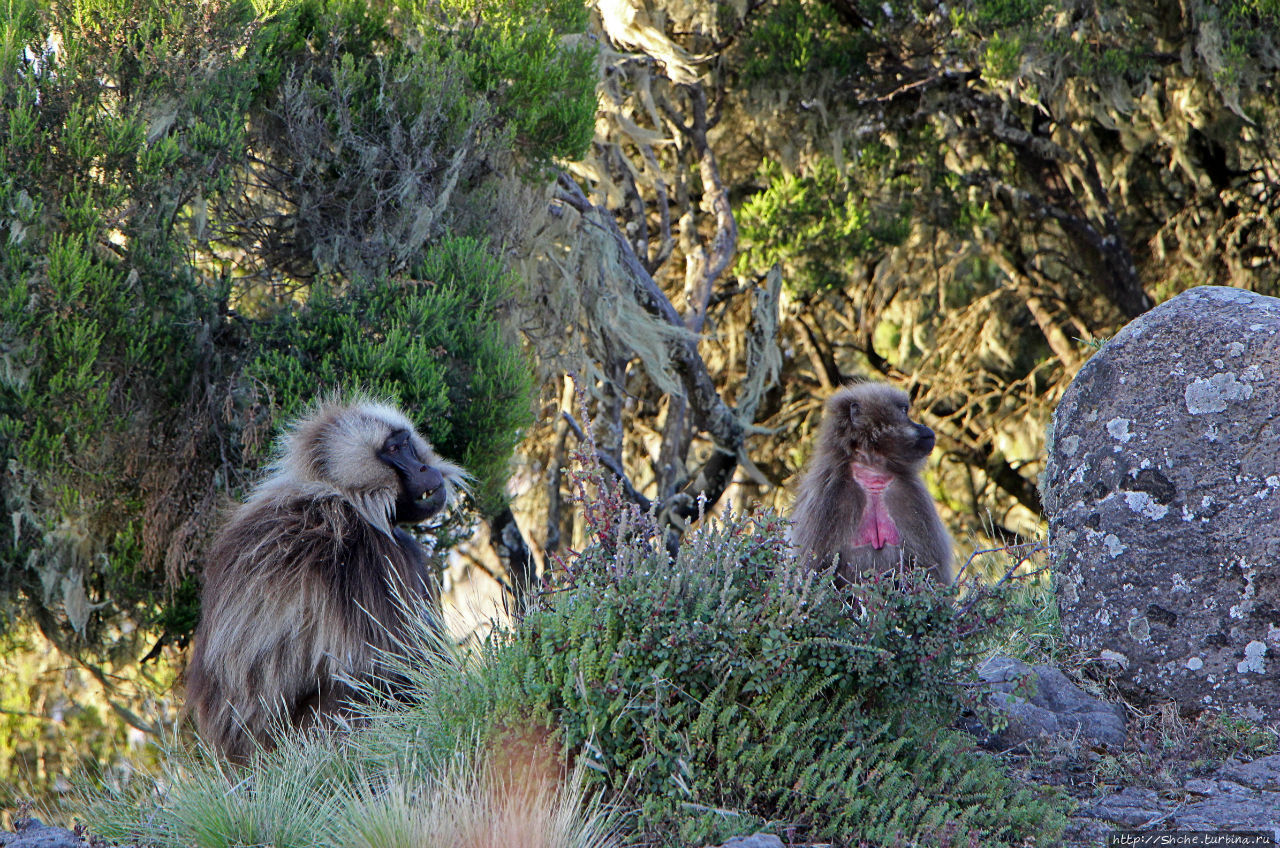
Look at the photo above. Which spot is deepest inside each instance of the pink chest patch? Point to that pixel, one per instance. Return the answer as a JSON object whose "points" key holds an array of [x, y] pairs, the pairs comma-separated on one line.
{"points": [[876, 528]]}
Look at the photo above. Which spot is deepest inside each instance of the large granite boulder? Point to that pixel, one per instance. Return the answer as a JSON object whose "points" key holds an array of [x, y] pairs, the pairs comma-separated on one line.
{"points": [[1162, 489]]}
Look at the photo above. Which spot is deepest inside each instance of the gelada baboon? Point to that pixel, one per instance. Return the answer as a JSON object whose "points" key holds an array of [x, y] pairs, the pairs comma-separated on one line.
{"points": [[861, 496], [311, 579]]}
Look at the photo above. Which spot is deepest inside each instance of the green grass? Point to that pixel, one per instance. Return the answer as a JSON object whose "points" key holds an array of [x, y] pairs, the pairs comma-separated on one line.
{"points": [[342, 790]]}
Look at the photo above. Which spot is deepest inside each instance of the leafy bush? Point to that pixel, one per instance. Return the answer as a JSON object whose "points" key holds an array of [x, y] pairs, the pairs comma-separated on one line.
{"points": [[723, 690], [428, 341], [794, 212], [794, 38]]}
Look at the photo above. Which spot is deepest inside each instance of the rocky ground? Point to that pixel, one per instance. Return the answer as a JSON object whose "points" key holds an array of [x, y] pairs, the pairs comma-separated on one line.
{"points": [[1129, 770], [1237, 796]]}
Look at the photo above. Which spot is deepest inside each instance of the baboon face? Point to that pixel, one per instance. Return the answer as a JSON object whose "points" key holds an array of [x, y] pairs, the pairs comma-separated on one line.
{"points": [[371, 453], [874, 427], [422, 489]]}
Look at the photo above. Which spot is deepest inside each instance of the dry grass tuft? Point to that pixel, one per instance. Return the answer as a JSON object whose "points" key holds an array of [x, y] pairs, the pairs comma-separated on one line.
{"points": [[482, 800]]}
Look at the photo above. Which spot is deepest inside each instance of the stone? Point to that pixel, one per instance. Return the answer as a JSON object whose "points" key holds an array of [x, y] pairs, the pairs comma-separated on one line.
{"points": [[1053, 705], [1238, 796], [33, 833], [755, 840], [1162, 490], [1262, 774]]}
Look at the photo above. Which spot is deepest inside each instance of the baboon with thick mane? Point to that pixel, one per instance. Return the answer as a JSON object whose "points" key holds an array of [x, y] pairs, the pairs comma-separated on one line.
{"points": [[311, 578], [861, 497]]}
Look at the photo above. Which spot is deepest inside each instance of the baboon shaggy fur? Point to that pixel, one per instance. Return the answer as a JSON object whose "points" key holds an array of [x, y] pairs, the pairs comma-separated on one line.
{"points": [[861, 498], [311, 579]]}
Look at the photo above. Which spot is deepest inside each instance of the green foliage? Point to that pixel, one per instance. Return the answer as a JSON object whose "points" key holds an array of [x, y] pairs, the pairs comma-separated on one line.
{"points": [[97, 313], [722, 691], [1006, 13], [1002, 58], [818, 222], [799, 37], [515, 53], [518, 59], [710, 696], [427, 341], [212, 213]]}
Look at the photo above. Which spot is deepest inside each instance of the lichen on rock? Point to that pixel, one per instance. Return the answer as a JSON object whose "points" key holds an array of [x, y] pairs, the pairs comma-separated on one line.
{"points": [[1162, 489]]}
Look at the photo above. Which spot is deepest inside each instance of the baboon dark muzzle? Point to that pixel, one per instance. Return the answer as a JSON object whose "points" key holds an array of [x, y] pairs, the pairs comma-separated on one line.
{"points": [[422, 489], [925, 439], [423, 497]]}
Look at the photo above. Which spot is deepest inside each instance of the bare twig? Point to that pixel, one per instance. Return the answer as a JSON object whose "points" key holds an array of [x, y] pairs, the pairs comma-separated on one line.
{"points": [[984, 591], [708, 409], [1001, 549]]}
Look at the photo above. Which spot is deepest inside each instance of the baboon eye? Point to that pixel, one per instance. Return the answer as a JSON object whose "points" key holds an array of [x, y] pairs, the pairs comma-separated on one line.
{"points": [[394, 442], [905, 409]]}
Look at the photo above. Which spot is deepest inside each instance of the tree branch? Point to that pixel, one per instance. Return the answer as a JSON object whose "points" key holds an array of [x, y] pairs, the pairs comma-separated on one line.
{"points": [[508, 543], [709, 410], [1103, 241], [611, 463]]}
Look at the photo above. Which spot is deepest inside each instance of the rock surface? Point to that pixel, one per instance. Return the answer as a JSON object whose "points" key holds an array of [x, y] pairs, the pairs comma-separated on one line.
{"points": [[1239, 796], [755, 840], [33, 833], [1052, 705], [1162, 489]]}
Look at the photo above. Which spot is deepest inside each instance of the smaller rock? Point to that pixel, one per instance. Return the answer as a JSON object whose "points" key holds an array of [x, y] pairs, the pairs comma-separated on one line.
{"points": [[1132, 807], [1263, 774], [755, 840], [1056, 706], [32, 833]]}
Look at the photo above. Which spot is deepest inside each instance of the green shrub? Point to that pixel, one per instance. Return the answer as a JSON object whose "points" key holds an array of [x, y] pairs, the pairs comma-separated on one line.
{"points": [[723, 691], [210, 214], [428, 341], [794, 215]]}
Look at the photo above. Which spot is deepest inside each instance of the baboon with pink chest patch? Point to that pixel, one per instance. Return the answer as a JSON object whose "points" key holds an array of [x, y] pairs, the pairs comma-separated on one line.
{"points": [[861, 499]]}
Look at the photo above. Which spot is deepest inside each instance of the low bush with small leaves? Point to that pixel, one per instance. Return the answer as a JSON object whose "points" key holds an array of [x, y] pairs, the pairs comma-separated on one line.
{"points": [[725, 690]]}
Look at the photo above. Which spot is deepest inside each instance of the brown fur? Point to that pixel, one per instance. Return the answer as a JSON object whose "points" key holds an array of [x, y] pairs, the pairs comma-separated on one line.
{"points": [[868, 424], [300, 586]]}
